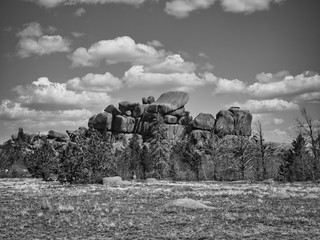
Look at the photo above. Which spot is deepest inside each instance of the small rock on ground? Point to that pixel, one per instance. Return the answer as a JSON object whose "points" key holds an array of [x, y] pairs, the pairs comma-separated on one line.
{"points": [[187, 203]]}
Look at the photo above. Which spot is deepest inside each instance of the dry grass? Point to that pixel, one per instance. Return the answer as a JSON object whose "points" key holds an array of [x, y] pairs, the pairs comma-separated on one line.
{"points": [[32, 209]]}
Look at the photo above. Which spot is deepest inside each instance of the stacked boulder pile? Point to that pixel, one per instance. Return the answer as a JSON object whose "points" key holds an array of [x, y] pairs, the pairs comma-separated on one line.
{"points": [[135, 118]]}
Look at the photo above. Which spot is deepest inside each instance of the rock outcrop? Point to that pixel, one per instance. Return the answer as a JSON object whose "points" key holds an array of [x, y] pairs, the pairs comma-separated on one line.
{"points": [[136, 118], [233, 122]]}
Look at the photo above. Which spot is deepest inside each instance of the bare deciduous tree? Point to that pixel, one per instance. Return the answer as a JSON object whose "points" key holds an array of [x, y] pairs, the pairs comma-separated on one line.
{"points": [[311, 132]]}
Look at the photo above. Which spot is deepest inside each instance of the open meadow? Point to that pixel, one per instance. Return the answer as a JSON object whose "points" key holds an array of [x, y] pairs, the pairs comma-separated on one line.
{"points": [[33, 209]]}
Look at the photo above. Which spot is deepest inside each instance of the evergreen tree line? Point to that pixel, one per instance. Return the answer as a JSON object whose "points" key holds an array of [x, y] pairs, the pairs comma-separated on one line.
{"points": [[90, 159]]}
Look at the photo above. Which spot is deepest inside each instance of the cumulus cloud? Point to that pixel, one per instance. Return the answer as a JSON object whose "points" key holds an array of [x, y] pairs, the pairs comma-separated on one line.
{"points": [[121, 49], [247, 6], [34, 42], [95, 83], [225, 86], [172, 64], [136, 76], [182, 8], [10, 110], [79, 12], [265, 106], [269, 77], [47, 95], [313, 97], [270, 85], [56, 3]]}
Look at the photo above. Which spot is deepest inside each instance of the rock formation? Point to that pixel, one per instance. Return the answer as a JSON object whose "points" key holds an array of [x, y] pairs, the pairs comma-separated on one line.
{"points": [[135, 118]]}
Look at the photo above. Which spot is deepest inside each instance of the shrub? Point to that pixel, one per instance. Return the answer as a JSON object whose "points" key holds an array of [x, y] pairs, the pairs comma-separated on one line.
{"points": [[43, 161]]}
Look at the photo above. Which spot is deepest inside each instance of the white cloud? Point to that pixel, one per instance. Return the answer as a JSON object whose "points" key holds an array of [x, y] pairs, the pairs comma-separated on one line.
{"points": [[34, 42], [182, 8], [247, 6], [225, 86], [95, 83], [313, 97], [44, 94], [269, 77], [155, 43], [14, 111], [265, 106], [56, 3], [137, 77], [32, 29], [172, 64], [290, 85], [79, 12], [121, 49]]}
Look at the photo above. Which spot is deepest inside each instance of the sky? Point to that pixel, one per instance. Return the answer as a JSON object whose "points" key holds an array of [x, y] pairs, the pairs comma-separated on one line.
{"points": [[62, 61]]}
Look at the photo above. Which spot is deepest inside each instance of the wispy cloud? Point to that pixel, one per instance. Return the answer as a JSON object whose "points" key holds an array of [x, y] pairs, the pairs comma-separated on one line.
{"points": [[265, 106], [56, 3]]}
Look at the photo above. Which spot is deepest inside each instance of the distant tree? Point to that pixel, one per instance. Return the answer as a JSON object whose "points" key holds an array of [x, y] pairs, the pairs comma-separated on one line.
{"points": [[241, 150], [215, 147], [311, 131], [129, 163], [296, 166]]}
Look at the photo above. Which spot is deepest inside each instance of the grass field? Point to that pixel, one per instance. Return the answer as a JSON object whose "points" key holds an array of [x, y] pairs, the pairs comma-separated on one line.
{"points": [[33, 209]]}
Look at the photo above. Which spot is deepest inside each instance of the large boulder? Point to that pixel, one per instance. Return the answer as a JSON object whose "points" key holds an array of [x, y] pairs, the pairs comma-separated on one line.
{"points": [[90, 122], [139, 110], [58, 136], [179, 112], [170, 119], [148, 100], [204, 121], [113, 110], [120, 124], [224, 123], [103, 121], [169, 102], [127, 106], [123, 124], [242, 121]]}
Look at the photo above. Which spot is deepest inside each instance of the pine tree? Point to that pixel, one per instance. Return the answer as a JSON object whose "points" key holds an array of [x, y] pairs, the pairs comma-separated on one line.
{"points": [[160, 148]]}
